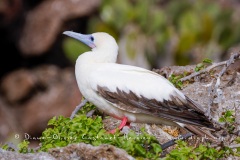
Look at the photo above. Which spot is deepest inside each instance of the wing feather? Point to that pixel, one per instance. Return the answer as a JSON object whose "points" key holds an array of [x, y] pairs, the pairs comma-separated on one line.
{"points": [[142, 91]]}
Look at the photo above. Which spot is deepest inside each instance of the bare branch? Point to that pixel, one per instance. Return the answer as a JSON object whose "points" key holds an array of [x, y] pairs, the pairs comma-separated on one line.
{"points": [[214, 65]]}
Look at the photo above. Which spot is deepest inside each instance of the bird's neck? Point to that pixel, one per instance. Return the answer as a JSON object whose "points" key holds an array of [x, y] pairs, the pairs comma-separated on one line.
{"points": [[104, 55]]}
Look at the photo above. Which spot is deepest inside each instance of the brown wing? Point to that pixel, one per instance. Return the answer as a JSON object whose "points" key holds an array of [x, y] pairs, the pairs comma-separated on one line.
{"points": [[174, 109]]}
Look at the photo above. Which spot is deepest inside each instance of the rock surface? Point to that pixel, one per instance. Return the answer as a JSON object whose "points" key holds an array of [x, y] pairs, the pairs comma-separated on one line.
{"points": [[73, 151], [31, 97], [47, 19], [56, 90], [8, 155], [89, 152]]}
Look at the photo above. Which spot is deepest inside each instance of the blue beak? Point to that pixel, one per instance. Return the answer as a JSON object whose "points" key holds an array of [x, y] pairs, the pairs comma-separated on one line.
{"points": [[84, 38]]}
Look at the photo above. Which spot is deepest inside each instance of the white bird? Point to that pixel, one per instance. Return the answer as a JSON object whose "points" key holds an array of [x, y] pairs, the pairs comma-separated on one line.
{"points": [[131, 93]]}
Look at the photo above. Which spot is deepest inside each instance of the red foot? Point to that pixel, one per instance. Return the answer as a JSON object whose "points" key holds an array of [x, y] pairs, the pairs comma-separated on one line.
{"points": [[123, 123]]}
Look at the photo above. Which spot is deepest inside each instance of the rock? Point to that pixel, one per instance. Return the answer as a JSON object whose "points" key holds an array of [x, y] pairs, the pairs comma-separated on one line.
{"points": [[17, 85], [201, 90], [8, 123], [89, 152], [175, 70], [9, 155], [73, 151], [32, 97], [44, 22], [54, 96]]}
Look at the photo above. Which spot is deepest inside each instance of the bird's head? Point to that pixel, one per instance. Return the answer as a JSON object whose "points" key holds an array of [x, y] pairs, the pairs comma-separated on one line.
{"points": [[99, 40]]}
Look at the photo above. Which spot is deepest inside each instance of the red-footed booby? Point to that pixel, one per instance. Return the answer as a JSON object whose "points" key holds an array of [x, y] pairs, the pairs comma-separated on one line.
{"points": [[131, 93]]}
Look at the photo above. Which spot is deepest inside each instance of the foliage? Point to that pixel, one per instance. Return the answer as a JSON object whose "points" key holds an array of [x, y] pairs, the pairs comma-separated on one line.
{"points": [[23, 147], [203, 64], [6, 147], [228, 118], [73, 48], [184, 29], [237, 153], [86, 108], [64, 131], [88, 130], [175, 79], [183, 151]]}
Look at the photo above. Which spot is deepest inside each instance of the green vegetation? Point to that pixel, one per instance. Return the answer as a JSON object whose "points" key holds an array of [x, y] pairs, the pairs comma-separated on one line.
{"points": [[23, 147], [82, 129], [63, 131], [237, 153], [228, 118], [176, 80], [186, 30], [184, 151], [73, 48], [206, 62]]}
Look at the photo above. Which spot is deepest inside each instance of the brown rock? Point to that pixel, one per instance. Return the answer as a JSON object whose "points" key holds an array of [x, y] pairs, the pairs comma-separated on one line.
{"points": [[88, 152], [8, 123], [59, 96], [43, 24], [35, 96], [176, 70], [17, 85]]}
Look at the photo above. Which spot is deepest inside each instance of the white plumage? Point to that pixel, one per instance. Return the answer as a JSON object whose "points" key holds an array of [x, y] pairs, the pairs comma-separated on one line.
{"points": [[129, 78], [128, 91]]}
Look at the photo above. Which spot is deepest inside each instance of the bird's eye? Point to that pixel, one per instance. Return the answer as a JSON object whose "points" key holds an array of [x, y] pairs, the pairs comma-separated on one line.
{"points": [[91, 38]]}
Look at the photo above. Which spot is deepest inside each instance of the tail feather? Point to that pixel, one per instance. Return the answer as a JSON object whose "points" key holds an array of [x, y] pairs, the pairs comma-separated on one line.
{"points": [[201, 132]]}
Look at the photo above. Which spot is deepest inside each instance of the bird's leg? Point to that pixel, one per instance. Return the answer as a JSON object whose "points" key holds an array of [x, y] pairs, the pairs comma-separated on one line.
{"points": [[123, 123], [78, 107]]}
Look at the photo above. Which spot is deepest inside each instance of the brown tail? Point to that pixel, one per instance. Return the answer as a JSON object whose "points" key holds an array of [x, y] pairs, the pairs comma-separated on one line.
{"points": [[201, 132]]}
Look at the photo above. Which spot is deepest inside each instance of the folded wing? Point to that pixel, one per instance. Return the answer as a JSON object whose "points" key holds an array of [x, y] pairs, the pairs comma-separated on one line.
{"points": [[141, 91]]}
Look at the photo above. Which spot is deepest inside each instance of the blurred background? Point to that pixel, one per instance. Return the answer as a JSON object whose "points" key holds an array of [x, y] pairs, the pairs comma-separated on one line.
{"points": [[37, 61]]}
